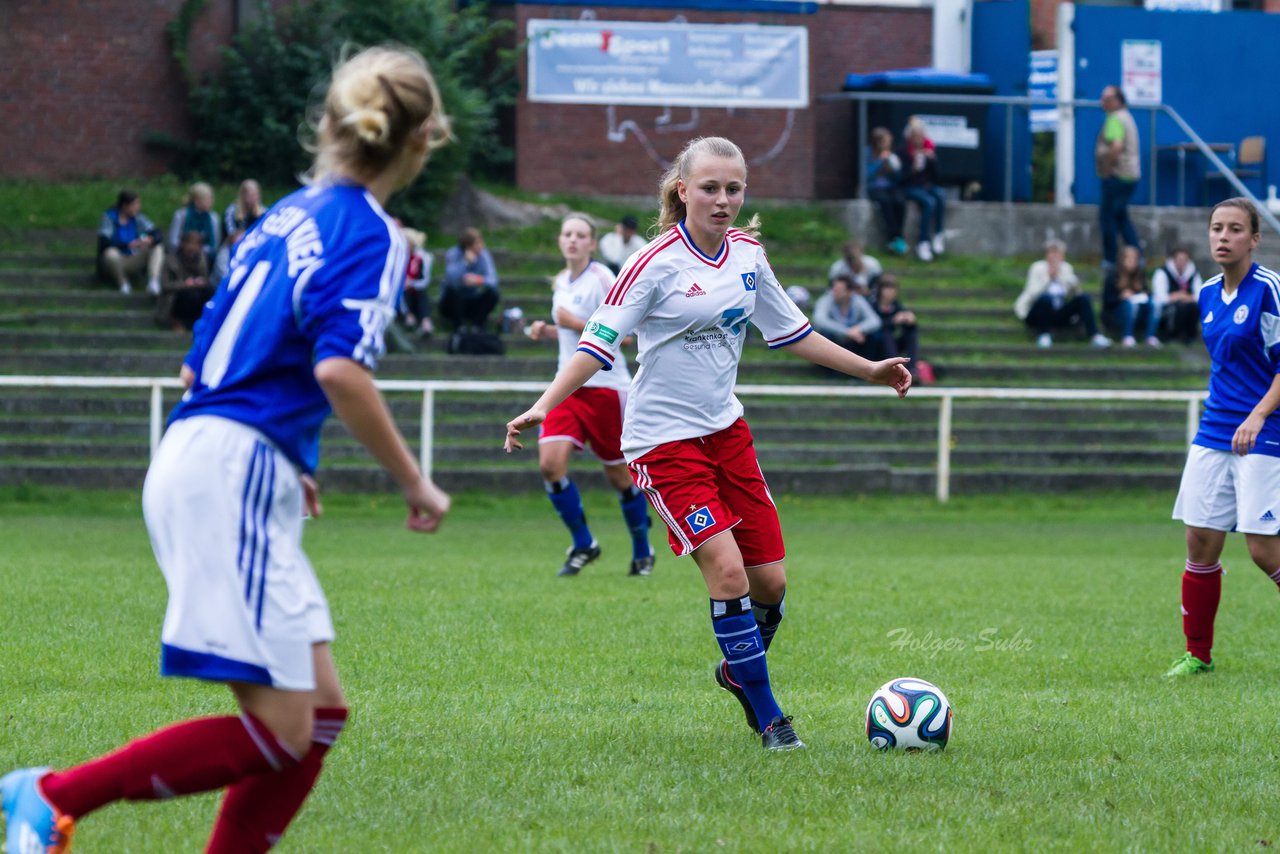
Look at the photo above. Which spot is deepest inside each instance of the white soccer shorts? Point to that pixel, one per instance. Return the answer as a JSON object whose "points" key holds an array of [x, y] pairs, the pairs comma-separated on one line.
{"points": [[1223, 491], [224, 510]]}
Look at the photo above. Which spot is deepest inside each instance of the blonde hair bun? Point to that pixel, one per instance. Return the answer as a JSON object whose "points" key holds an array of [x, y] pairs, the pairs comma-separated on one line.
{"points": [[371, 126]]}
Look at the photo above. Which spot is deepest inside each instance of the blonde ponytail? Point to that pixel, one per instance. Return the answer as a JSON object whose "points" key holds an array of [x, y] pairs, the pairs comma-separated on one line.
{"points": [[376, 101]]}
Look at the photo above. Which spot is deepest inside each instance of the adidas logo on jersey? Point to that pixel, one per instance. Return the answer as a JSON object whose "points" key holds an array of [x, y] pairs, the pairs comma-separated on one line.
{"points": [[695, 291], [1267, 517]]}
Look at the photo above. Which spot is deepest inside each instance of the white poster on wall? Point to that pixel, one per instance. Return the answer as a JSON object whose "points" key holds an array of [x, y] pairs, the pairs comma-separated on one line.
{"points": [[1140, 71]]}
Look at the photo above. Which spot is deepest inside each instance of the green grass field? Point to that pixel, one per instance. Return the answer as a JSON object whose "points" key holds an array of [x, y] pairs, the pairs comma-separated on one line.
{"points": [[496, 707]]}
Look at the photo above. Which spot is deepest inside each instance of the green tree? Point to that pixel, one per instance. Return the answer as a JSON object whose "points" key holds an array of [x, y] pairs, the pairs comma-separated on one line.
{"points": [[250, 114]]}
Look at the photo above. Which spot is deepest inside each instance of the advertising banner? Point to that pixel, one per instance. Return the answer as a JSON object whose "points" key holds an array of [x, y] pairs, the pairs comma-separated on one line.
{"points": [[668, 64]]}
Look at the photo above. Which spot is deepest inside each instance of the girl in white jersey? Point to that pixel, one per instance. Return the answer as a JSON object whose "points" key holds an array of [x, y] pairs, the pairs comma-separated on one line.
{"points": [[592, 415], [293, 332], [1231, 481], [689, 295]]}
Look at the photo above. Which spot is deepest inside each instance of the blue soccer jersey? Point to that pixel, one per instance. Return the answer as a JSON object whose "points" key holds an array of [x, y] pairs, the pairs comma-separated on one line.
{"points": [[317, 277], [1243, 337]]}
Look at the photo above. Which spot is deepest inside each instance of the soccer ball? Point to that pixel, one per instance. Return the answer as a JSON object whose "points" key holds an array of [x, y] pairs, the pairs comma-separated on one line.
{"points": [[908, 714]]}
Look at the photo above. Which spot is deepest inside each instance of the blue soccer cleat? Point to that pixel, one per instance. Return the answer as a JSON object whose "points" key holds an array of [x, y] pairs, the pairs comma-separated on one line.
{"points": [[32, 826]]}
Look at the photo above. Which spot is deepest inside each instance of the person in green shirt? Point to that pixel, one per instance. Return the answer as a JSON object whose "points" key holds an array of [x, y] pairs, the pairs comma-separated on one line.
{"points": [[1116, 158]]}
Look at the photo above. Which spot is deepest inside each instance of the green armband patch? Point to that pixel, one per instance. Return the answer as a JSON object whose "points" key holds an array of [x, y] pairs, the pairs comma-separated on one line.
{"points": [[602, 332]]}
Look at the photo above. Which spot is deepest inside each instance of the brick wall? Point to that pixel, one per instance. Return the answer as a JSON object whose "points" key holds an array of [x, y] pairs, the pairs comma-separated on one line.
{"points": [[809, 154], [83, 81]]}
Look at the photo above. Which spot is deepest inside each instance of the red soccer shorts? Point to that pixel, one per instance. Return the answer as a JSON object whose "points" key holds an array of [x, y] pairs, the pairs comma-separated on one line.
{"points": [[705, 486], [589, 416]]}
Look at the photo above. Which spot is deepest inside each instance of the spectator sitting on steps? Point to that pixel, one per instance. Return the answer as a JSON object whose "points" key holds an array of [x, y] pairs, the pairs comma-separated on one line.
{"points": [[469, 293], [621, 243], [1125, 291], [186, 285], [862, 268], [1175, 287], [846, 317], [1052, 299], [197, 215], [128, 244]]}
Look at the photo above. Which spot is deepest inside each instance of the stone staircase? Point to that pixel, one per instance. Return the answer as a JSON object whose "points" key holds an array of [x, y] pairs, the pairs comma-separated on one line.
{"points": [[56, 320]]}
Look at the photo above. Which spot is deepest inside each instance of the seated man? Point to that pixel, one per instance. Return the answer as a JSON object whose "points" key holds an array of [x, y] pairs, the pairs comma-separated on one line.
{"points": [[469, 293], [1175, 287], [1052, 299], [128, 244], [844, 315], [620, 244]]}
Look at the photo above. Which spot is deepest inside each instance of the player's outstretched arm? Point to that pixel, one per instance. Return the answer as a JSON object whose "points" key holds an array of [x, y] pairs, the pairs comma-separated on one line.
{"points": [[357, 401], [820, 350], [579, 369]]}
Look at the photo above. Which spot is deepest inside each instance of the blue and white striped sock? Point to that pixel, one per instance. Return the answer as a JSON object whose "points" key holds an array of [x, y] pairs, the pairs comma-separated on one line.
{"points": [[739, 640]]}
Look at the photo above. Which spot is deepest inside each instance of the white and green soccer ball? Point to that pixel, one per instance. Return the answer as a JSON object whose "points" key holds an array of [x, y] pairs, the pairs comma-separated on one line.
{"points": [[908, 714]]}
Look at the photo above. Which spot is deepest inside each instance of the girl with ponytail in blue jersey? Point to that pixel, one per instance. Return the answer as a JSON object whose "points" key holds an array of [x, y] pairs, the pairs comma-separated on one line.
{"points": [[293, 332], [1232, 477]]}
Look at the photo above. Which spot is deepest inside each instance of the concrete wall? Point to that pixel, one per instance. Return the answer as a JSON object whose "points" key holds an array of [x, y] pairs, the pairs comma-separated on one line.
{"points": [[994, 228], [797, 154]]}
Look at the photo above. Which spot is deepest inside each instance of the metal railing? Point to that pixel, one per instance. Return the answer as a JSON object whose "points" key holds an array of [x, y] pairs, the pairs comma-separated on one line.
{"points": [[1011, 101], [946, 398]]}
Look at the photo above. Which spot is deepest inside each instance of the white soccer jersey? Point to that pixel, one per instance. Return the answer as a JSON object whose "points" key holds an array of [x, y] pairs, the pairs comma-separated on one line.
{"points": [[581, 297], [690, 313]]}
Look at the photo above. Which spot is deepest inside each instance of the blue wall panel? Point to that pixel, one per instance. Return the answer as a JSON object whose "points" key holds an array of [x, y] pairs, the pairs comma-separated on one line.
{"points": [[1217, 74], [1001, 50]]}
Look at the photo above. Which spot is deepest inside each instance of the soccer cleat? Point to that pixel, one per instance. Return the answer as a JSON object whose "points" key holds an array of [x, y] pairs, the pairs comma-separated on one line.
{"points": [[32, 826], [642, 566], [576, 559], [725, 681], [1189, 665], [780, 736]]}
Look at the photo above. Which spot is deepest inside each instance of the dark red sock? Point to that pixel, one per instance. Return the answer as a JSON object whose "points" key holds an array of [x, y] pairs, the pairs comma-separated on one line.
{"points": [[192, 756], [257, 810], [1201, 590]]}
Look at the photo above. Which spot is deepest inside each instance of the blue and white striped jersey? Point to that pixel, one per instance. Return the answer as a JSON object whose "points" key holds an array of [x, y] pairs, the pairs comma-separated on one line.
{"points": [[1243, 336], [317, 277]]}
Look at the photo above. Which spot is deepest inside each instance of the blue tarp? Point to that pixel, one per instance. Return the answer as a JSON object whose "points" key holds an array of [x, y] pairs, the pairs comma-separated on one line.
{"points": [[929, 78]]}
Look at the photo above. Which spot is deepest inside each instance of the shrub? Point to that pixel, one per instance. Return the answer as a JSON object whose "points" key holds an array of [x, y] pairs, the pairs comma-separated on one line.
{"points": [[249, 115]]}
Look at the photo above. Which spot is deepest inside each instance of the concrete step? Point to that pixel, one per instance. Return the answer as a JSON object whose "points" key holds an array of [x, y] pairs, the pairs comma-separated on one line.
{"points": [[50, 299], [161, 362]]}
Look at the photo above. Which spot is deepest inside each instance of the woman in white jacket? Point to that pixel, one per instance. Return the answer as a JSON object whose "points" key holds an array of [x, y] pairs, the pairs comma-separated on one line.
{"points": [[1052, 299]]}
